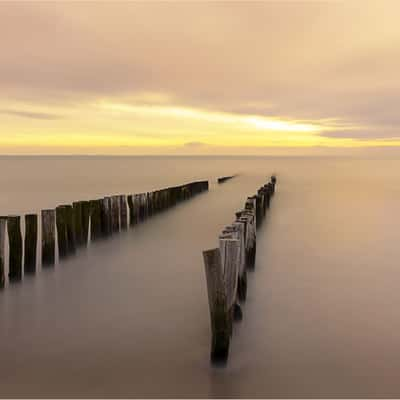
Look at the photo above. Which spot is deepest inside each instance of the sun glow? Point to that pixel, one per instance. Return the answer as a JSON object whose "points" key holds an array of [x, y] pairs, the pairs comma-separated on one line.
{"points": [[112, 126]]}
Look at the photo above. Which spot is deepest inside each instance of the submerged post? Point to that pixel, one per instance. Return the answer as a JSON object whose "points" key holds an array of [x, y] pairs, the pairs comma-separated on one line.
{"points": [[217, 300], [48, 237], [15, 243], [31, 234], [3, 222]]}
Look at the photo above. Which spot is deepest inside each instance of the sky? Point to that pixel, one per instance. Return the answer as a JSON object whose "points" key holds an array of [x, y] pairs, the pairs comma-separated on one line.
{"points": [[220, 77]]}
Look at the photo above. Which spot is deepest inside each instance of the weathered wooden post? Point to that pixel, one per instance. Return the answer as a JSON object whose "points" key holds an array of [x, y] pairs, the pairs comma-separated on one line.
{"points": [[230, 260], [95, 220], [85, 222], [62, 236], [69, 214], [225, 178], [131, 210], [273, 181], [240, 226], [217, 300], [77, 208], [268, 193], [48, 237], [115, 213], [136, 208], [31, 236], [141, 204], [150, 205], [105, 216], [3, 222], [15, 244], [123, 211]]}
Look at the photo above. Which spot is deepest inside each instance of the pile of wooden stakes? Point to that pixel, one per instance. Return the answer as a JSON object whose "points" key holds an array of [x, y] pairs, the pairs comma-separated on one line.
{"points": [[226, 269], [75, 225]]}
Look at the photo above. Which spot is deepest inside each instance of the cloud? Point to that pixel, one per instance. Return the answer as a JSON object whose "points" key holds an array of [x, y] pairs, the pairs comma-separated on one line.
{"points": [[31, 114], [367, 133], [195, 145], [282, 60]]}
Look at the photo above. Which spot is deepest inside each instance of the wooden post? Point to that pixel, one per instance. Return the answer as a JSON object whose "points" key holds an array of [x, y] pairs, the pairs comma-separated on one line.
{"points": [[130, 205], [85, 222], [62, 236], [150, 204], [115, 213], [31, 235], [123, 212], [136, 208], [71, 234], [15, 243], [225, 178], [220, 326], [48, 237], [240, 226], [273, 182], [230, 260], [141, 206], [105, 216], [3, 222], [77, 208], [95, 220]]}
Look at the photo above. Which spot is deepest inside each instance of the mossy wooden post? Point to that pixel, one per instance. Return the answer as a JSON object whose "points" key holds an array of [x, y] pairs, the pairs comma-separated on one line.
{"points": [[123, 211], [85, 222], [95, 220], [31, 237], [71, 234], [62, 236], [48, 237], [220, 327], [3, 222], [77, 207], [15, 243]]}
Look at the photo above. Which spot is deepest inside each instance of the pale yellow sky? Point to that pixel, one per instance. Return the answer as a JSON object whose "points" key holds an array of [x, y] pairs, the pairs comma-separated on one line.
{"points": [[199, 77]]}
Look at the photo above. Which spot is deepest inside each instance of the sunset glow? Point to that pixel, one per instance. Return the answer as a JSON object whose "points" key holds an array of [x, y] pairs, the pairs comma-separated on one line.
{"points": [[117, 88]]}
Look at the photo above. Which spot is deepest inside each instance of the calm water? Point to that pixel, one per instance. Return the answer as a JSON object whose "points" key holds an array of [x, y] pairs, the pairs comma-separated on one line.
{"points": [[128, 317]]}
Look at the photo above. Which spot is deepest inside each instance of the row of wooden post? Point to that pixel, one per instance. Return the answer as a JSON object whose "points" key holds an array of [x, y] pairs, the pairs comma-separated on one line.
{"points": [[226, 269], [75, 224]]}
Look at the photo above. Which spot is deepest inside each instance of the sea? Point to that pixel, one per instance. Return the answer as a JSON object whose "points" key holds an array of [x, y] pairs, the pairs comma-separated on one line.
{"points": [[129, 317]]}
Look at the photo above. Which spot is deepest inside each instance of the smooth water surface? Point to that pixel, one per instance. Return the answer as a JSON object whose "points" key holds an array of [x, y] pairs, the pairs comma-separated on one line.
{"points": [[128, 317]]}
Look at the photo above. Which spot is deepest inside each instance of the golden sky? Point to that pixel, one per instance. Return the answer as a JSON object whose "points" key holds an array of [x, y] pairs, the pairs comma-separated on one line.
{"points": [[198, 77]]}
